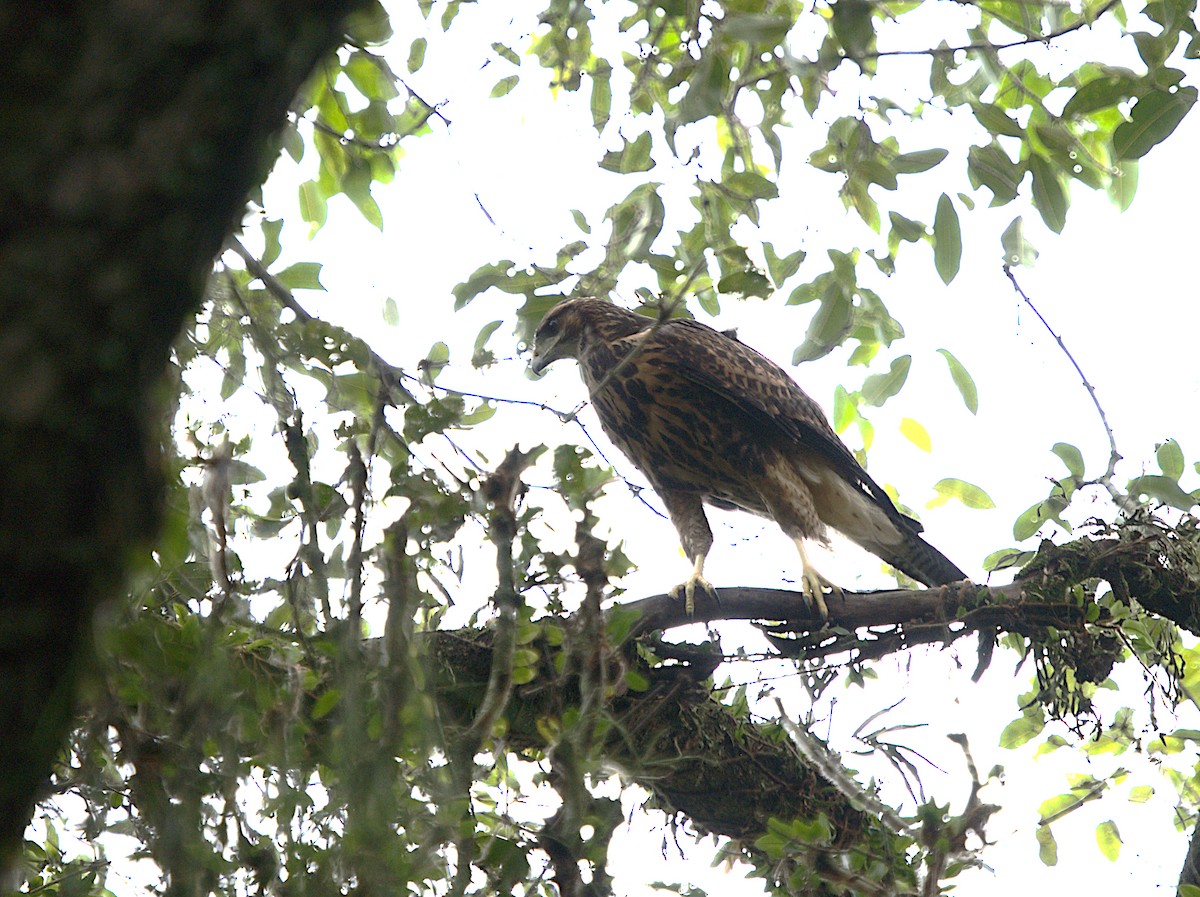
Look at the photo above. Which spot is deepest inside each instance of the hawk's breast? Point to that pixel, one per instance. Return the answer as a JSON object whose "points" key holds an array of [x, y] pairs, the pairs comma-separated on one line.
{"points": [[682, 437]]}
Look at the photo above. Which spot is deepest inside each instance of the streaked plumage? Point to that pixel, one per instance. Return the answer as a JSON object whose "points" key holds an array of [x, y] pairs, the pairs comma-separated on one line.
{"points": [[708, 419]]}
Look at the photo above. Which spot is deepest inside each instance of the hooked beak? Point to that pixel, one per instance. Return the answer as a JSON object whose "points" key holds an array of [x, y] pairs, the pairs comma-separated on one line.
{"points": [[544, 352]]}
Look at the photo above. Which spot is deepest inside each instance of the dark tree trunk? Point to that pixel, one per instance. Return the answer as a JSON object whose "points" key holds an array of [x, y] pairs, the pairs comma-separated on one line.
{"points": [[1190, 875], [132, 131]]}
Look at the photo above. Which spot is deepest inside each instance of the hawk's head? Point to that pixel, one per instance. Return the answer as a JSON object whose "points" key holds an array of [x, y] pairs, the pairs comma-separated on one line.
{"points": [[570, 327], [558, 334]]}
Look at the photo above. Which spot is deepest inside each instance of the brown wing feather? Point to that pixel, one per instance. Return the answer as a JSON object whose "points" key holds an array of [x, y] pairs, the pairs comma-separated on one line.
{"points": [[719, 363]]}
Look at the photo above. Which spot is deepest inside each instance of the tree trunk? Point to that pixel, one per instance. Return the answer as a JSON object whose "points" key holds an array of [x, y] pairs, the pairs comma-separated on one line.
{"points": [[132, 133]]}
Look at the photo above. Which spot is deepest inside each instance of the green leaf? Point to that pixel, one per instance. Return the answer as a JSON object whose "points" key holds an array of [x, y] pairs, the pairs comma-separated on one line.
{"points": [[1108, 839], [968, 493], [1049, 198], [996, 121], [750, 185], [828, 327], [963, 380], [1153, 118], [782, 268], [878, 388], [1047, 848], [369, 76], [271, 245], [1161, 489], [853, 27], [906, 229], [481, 356], [1123, 186], [745, 283], [1004, 558], [313, 204], [301, 276], [1101, 93], [991, 166], [325, 703], [506, 53], [1071, 457], [1023, 729], [580, 221], [391, 312], [416, 54], [916, 434], [1017, 250], [1032, 519], [505, 85], [914, 163], [947, 240], [1140, 794], [635, 156], [601, 95], [1170, 459], [706, 86]]}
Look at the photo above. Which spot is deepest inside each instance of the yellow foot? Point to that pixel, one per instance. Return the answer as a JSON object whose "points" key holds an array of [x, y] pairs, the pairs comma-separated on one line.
{"points": [[813, 584], [688, 591]]}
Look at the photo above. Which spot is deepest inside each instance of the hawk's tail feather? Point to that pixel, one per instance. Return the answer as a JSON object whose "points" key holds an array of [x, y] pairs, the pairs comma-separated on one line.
{"points": [[920, 560]]}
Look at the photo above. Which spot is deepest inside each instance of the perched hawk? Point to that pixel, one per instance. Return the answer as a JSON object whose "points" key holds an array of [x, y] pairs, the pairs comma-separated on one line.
{"points": [[708, 419]]}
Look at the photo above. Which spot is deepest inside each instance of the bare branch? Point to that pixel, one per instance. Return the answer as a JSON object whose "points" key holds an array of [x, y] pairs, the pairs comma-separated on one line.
{"points": [[988, 45], [1122, 500]]}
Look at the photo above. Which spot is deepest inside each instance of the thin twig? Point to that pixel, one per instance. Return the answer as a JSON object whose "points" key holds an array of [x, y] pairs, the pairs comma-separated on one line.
{"points": [[388, 373], [988, 45], [1114, 456]]}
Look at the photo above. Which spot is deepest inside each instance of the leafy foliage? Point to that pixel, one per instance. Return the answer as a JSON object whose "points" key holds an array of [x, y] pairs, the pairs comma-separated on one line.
{"points": [[273, 709]]}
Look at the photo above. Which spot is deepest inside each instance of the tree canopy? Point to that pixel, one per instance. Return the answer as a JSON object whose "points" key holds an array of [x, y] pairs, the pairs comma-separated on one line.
{"points": [[291, 610]]}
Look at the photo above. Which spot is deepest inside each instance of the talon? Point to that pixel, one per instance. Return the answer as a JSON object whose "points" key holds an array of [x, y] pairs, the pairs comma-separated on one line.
{"points": [[813, 584], [688, 588]]}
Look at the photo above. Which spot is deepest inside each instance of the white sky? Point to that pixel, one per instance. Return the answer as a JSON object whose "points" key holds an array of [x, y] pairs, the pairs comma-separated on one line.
{"points": [[1118, 288]]}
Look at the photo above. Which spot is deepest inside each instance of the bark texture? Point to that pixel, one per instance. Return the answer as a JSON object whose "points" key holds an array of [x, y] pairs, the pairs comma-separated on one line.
{"points": [[131, 132]]}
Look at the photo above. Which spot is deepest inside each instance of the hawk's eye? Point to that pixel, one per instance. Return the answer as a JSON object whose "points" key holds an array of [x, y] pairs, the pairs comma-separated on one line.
{"points": [[549, 327]]}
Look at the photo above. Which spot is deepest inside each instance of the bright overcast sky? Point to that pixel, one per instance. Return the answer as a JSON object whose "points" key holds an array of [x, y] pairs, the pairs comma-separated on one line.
{"points": [[1119, 288]]}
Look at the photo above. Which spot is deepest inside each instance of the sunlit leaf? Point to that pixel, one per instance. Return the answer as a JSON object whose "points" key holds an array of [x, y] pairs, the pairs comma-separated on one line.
{"points": [[1123, 186], [916, 434], [301, 276], [1170, 459], [1047, 847], [1140, 794], [967, 493], [782, 268], [505, 85], [1017, 250], [1071, 457], [391, 312], [1022, 730], [1108, 839], [962, 380]]}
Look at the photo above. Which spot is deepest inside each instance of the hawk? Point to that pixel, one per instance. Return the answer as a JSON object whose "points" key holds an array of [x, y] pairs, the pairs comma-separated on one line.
{"points": [[708, 419]]}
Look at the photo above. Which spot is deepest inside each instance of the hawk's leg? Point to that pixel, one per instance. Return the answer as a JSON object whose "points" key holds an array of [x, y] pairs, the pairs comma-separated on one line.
{"points": [[687, 513], [695, 581], [812, 583]]}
